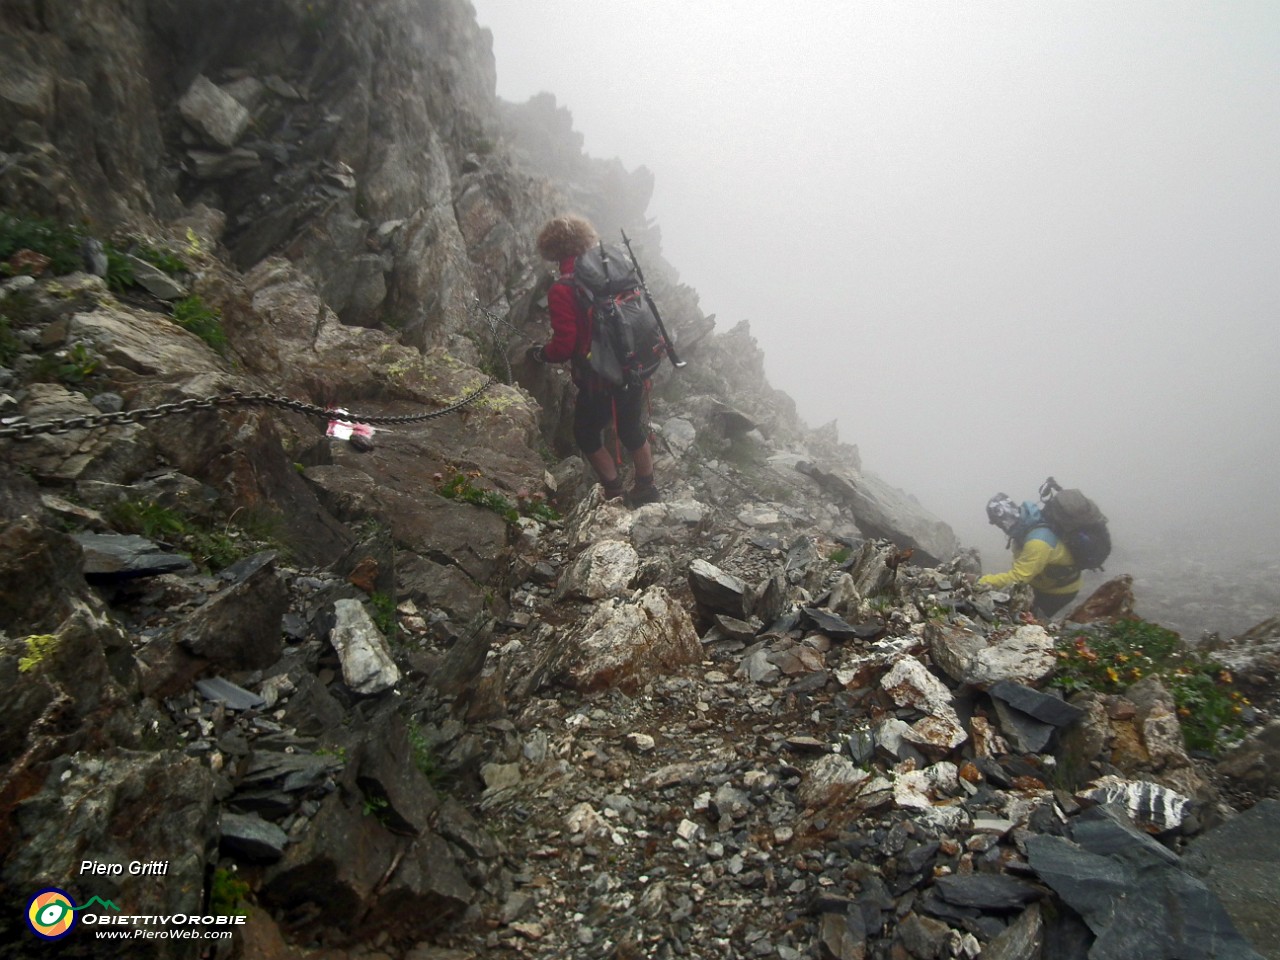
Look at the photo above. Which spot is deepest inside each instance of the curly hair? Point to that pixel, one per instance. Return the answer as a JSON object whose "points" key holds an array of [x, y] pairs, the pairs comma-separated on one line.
{"points": [[565, 237]]}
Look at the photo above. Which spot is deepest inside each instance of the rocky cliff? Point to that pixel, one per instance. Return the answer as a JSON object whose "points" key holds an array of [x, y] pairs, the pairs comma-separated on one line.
{"points": [[417, 691]]}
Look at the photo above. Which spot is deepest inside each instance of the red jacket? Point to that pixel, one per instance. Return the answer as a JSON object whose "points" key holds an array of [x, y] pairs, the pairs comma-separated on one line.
{"points": [[570, 328]]}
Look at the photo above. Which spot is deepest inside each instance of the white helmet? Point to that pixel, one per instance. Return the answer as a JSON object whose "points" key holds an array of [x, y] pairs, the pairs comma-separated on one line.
{"points": [[1003, 512]]}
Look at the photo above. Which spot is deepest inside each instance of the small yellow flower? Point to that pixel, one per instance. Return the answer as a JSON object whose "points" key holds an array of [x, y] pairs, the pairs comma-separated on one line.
{"points": [[1112, 675]]}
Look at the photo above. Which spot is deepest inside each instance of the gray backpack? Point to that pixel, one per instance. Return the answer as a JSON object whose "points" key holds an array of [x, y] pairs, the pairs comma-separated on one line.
{"points": [[627, 345], [1078, 523]]}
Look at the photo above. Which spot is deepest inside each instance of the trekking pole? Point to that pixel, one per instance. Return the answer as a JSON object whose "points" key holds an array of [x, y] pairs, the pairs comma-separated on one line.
{"points": [[1049, 488], [671, 347], [604, 264]]}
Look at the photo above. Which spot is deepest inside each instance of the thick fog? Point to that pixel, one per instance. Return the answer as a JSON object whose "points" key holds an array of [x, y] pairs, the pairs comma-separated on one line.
{"points": [[994, 241]]}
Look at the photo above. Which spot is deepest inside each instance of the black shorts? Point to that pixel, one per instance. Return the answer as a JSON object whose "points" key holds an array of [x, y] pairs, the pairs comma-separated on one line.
{"points": [[597, 405], [1047, 604]]}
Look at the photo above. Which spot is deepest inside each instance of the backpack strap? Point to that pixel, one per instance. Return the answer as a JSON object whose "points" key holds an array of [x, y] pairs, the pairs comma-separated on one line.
{"points": [[567, 280], [1042, 533], [1057, 572]]}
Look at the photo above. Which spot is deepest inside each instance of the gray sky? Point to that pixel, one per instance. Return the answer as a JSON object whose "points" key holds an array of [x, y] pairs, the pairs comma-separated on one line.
{"points": [[995, 241]]}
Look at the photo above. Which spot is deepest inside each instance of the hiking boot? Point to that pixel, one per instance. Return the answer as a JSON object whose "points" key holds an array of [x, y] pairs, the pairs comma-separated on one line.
{"points": [[613, 489], [643, 493]]}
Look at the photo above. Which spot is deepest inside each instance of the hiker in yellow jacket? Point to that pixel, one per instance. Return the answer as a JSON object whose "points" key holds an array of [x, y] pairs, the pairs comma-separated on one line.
{"points": [[1040, 558]]}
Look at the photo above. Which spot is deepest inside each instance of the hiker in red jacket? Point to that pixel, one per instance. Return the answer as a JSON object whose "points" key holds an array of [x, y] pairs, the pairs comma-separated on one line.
{"points": [[562, 240]]}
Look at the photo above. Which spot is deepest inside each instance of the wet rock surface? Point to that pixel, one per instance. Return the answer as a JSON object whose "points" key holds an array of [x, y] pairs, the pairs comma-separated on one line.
{"points": [[647, 772], [767, 717]]}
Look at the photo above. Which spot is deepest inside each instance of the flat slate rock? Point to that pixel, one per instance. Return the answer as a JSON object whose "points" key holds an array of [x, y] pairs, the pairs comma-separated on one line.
{"points": [[987, 891], [1042, 706], [736, 629], [226, 692], [1024, 731], [251, 837], [1126, 886], [1238, 861], [288, 771], [1022, 940], [870, 630], [111, 557], [717, 591], [270, 804], [835, 627]]}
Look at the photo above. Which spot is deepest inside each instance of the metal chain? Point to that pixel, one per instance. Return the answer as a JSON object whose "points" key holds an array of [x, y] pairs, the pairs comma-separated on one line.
{"points": [[494, 321], [18, 428]]}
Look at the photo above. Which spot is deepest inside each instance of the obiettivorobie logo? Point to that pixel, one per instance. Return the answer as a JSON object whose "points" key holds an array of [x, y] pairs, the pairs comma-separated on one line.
{"points": [[51, 913]]}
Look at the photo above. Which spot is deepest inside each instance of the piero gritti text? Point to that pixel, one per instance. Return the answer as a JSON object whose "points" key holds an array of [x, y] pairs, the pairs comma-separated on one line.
{"points": [[134, 868]]}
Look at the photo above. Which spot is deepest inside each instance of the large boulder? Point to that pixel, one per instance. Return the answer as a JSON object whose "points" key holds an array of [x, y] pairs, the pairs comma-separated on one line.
{"points": [[624, 644], [1236, 860], [115, 808], [883, 511], [375, 857], [367, 666], [1126, 886], [1024, 656], [239, 626]]}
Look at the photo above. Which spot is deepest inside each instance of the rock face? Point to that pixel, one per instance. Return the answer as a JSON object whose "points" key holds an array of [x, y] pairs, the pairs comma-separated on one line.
{"points": [[1236, 862], [432, 688], [119, 807], [238, 627], [1125, 886], [882, 511]]}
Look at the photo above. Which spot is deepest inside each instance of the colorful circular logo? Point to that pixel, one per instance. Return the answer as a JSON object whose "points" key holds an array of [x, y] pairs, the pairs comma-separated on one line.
{"points": [[51, 914]]}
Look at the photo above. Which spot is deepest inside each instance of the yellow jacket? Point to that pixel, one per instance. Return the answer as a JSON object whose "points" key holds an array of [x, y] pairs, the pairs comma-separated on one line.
{"points": [[1042, 565]]}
